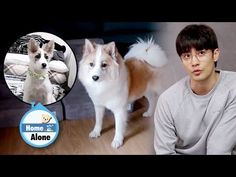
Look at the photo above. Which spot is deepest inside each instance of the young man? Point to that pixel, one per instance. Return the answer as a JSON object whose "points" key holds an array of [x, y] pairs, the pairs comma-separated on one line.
{"points": [[197, 115]]}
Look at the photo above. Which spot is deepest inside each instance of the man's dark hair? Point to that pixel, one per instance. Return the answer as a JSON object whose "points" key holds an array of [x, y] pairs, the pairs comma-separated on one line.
{"points": [[196, 36]]}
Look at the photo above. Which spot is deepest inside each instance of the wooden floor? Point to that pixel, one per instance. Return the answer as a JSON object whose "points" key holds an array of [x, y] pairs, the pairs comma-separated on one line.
{"points": [[73, 138]]}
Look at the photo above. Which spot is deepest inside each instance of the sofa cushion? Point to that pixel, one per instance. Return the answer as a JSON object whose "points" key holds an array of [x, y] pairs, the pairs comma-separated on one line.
{"points": [[58, 66]]}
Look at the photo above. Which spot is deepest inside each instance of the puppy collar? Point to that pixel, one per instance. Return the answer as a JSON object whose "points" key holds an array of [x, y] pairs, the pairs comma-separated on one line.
{"points": [[37, 76]]}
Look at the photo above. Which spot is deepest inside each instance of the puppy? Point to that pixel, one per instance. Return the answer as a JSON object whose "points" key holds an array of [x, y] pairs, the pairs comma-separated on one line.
{"points": [[46, 118], [37, 86], [113, 82]]}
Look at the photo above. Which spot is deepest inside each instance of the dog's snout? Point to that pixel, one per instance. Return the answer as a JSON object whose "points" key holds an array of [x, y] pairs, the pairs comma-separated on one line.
{"points": [[95, 78], [44, 65]]}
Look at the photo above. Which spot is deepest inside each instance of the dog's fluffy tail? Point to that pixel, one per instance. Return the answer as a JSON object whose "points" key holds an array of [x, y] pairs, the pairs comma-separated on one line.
{"points": [[147, 51]]}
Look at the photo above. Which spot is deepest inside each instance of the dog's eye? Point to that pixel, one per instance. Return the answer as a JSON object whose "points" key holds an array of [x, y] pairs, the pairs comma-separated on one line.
{"points": [[104, 65], [91, 64], [45, 56], [38, 56]]}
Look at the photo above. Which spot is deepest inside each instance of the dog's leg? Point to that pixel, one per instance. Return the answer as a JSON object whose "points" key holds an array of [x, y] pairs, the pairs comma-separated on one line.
{"points": [[152, 100], [99, 110], [120, 124]]}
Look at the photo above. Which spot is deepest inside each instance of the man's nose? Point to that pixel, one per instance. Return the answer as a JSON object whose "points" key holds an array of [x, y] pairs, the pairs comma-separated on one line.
{"points": [[194, 60]]}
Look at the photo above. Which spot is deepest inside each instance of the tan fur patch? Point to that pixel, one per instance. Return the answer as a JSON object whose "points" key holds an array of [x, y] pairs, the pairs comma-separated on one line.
{"points": [[89, 59], [140, 73]]}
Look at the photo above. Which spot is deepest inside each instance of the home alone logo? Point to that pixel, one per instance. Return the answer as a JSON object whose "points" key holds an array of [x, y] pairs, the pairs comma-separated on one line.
{"points": [[39, 127]]}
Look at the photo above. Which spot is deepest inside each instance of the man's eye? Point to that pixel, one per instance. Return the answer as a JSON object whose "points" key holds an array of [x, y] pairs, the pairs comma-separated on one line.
{"points": [[202, 52], [186, 56]]}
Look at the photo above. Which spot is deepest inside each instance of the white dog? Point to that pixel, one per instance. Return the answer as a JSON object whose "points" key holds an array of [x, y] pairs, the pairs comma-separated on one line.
{"points": [[37, 86], [113, 83]]}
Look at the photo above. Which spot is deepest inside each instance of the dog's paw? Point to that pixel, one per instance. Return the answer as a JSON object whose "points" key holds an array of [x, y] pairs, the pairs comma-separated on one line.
{"points": [[94, 134], [147, 114], [116, 143]]}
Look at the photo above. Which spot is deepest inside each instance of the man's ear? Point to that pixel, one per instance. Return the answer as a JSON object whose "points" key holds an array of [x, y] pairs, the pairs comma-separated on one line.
{"points": [[216, 54]]}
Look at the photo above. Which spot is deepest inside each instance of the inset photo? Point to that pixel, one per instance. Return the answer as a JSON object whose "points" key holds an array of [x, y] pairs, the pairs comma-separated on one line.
{"points": [[40, 67]]}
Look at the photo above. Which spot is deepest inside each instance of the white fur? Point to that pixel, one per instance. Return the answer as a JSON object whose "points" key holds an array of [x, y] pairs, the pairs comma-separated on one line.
{"points": [[38, 90], [148, 51], [99, 53]]}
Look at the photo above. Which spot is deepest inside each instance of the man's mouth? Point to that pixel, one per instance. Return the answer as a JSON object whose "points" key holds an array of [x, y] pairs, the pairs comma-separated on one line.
{"points": [[197, 72]]}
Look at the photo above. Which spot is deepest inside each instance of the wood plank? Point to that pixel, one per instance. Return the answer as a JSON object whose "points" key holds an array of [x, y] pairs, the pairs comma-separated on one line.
{"points": [[73, 138]]}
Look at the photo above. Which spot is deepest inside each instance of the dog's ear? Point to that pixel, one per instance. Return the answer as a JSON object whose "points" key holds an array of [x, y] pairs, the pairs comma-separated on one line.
{"points": [[111, 50], [49, 47], [88, 47], [94, 45], [33, 46]]}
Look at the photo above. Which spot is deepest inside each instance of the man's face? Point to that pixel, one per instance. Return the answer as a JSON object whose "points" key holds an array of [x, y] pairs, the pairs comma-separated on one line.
{"points": [[200, 64]]}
